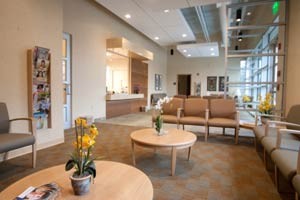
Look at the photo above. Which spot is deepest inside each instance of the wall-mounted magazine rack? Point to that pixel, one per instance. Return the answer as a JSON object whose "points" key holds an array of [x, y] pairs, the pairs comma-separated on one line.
{"points": [[39, 82]]}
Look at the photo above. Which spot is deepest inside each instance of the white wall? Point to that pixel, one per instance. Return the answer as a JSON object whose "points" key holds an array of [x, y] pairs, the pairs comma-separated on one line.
{"points": [[25, 24], [293, 57], [89, 31], [178, 64]]}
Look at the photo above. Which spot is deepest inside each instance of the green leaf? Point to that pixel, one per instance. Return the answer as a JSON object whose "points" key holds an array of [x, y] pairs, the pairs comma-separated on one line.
{"points": [[91, 171], [69, 165]]}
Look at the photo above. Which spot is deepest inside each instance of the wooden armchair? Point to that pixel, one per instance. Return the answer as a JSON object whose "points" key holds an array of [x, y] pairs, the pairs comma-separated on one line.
{"points": [[195, 112], [171, 112], [222, 113], [10, 141]]}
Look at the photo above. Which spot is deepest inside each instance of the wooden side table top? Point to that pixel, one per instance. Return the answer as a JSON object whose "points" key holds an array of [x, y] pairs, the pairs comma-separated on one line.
{"points": [[173, 137], [113, 181]]}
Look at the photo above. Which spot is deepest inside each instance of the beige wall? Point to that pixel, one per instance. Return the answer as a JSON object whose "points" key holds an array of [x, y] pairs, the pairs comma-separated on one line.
{"points": [[293, 58], [89, 32], [25, 24], [178, 64]]}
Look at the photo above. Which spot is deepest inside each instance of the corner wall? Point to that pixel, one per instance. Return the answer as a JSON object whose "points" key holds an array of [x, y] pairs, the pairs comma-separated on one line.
{"points": [[293, 56], [89, 32], [25, 24]]}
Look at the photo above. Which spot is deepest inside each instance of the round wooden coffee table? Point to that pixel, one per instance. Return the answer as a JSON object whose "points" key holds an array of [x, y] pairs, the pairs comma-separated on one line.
{"points": [[174, 139], [113, 181]]}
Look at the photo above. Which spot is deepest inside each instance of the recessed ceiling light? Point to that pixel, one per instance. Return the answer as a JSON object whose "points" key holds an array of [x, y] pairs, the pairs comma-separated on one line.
{"points": [[167, 10], [184, 50], [108, 54], [156, 38], [212, 54], [249, 13], [184, 35], [189, 55], [127, 16], [212, 49]]}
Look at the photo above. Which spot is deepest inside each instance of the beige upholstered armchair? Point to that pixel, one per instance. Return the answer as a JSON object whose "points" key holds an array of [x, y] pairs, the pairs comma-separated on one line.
{"points": [[224, 114], [10, 141], [195, 112], [171, 112]]}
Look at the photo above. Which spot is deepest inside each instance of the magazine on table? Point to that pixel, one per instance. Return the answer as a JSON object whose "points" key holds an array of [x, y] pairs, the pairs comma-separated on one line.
{"points": [[44, 192]]}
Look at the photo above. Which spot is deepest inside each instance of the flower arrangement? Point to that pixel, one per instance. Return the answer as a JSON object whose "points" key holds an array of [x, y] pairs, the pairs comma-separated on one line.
{"points": [[246, 99], [81, 158], [265, 106], [159, 119]]}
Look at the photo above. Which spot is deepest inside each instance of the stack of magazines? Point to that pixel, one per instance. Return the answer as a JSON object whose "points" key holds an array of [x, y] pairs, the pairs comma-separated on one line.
{"points": [[45, 192]]}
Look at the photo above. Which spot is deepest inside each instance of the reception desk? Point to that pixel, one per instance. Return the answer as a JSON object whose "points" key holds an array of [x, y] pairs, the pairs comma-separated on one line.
{"points": [[123, 104]]}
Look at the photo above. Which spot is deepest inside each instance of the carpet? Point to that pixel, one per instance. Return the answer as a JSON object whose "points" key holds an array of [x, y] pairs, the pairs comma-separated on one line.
{"points": [[217, 169]]}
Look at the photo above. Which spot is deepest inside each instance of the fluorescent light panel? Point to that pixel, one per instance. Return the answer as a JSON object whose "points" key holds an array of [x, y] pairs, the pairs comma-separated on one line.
{"points": [[199, 49]]}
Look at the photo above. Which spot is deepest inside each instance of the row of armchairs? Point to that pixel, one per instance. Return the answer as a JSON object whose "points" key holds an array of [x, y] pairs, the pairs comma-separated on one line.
{"points": [[198, 111], [280, 141]]}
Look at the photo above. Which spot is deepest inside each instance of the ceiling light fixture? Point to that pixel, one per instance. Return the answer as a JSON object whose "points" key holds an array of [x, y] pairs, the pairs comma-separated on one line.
{"points": [[212, 54], [108, 54], [189, 55], [184, 50], [238, 15], [240, 38], [184, 35], [127, 16], [156, 38], [212, 49], [167, 10], [249, 13]]}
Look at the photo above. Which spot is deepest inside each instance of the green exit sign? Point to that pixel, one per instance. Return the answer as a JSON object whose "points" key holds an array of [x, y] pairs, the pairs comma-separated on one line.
{"points": [[275, 8]]}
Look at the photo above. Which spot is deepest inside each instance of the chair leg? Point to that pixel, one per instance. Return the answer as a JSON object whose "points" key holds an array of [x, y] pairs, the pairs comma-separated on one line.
{"points": [[223, 131], [276, 178], [296, 196], [5, 155], [236, 133], [34, 155], [205, 129], [182, 126]]}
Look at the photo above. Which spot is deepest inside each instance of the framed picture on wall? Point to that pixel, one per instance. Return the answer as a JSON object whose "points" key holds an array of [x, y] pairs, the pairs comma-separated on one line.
{"points": [[222, 83], [211, 83], [158, 82]]}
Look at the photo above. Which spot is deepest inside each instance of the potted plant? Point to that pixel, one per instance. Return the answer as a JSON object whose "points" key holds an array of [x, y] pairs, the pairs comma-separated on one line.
{"points": [[159, 118], [265, 107], [81, 159]]}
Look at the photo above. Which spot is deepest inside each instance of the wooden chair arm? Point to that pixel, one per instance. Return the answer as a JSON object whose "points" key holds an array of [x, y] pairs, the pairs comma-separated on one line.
{"points": [[31, 123], [179, 112], [206, 114]]}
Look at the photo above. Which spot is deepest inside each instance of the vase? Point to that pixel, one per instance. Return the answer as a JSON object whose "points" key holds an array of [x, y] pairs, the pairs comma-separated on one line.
{"points": [[81, 185], [264, 119]]}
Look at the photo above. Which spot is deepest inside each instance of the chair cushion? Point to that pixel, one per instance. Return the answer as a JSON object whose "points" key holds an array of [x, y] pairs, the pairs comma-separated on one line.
{"points": [[11, 141], [222, 122], [195, 107], [171, 107], [170, 119], [222, 108], [192, 120], [286, 161], [259, 132], [296, 183], [293, 116], [289, 142]]}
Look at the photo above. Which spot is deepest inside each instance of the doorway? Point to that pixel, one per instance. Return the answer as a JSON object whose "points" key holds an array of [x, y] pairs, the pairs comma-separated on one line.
{"points": [[184, 84], [66, 73]]}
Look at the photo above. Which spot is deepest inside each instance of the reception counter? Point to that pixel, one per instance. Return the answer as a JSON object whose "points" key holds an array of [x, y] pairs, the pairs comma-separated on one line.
{"points": [[123, 104]]}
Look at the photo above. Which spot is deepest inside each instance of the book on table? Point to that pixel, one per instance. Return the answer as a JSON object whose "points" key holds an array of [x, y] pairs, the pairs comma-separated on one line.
{"points": [[44, 192]]}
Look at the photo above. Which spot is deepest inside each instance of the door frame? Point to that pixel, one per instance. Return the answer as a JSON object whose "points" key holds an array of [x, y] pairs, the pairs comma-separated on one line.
{"points": [[68, 72], [190, 82]]}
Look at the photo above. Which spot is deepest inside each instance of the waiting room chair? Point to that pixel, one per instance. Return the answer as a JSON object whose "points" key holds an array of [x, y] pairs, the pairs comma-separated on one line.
{"points": [[171, 112], [11, 141], [222, 113], [195, 112]]}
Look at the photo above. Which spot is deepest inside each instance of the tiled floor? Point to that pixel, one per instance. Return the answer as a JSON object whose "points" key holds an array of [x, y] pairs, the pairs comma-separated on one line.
{"points": [[217, 169]]}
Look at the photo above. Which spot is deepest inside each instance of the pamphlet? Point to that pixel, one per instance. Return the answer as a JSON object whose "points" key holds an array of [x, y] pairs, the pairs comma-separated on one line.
{"points": [[45, 192]]}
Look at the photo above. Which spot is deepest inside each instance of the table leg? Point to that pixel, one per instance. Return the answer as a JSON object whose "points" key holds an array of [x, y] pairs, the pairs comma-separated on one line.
{"points": [[173, 163], [132, 150], [189, 153]]}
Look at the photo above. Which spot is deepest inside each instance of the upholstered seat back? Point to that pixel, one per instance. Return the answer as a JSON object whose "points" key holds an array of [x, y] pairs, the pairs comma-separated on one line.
{"points": [[195, 107], [171, 107], [293, 116], [4, 119], [222, 108]]}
